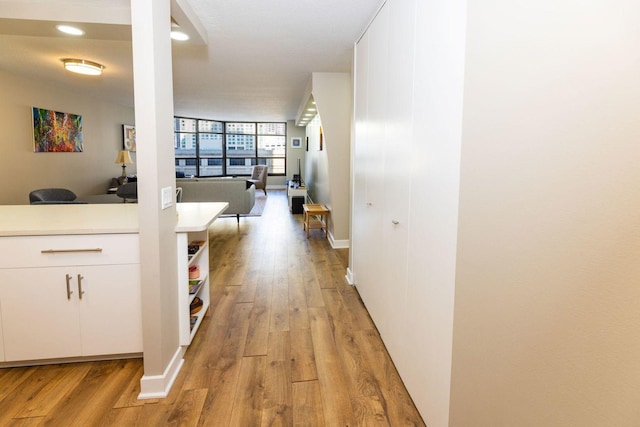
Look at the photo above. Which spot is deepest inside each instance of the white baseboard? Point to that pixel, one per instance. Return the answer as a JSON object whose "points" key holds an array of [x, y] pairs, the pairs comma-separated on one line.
{"points": [[158, 386], [349, 277], [338, 244]]}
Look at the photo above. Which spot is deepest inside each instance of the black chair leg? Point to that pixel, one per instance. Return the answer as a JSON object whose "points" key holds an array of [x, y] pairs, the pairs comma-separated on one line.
{"points": [[238, 218]]}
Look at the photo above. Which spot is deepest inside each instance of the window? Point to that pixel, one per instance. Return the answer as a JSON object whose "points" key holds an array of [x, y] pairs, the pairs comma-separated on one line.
{"points": [[214, 148]]}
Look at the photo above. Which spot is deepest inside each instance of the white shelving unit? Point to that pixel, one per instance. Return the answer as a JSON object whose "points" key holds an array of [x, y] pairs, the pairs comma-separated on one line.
{"points": [[194, 220], [186, 295]]}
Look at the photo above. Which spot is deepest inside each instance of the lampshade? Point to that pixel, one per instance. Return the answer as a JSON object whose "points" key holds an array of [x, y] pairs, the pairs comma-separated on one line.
{"points": [[83, 66], [124, 158]]}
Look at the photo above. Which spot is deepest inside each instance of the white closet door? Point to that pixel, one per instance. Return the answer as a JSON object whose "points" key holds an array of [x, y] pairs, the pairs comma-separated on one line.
{"points": [[397, 173], [438, 86], [360, 212], [371, 252]]}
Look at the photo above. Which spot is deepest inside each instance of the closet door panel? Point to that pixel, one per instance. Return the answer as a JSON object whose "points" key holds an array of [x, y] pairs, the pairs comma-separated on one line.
{"points": [[360, 214], [372, 251], [397, 183], [438, 88]]}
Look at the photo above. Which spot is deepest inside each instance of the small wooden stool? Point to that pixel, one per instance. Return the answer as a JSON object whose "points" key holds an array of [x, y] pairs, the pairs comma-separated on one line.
{"points": [[316, 216]]}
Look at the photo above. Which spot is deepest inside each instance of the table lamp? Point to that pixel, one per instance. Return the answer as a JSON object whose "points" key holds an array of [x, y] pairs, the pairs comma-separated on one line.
{"points": [[124, 158]]}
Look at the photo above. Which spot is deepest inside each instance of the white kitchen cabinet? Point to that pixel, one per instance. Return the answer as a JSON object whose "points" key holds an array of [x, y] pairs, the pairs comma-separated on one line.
{"points": [[51, 310], [110, 310], [39, 321], [46, 247]]}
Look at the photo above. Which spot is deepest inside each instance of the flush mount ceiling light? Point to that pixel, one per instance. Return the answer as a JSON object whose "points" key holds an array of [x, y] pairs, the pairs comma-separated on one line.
{"points": [[179, 35], [68, 29], [82, 66]]}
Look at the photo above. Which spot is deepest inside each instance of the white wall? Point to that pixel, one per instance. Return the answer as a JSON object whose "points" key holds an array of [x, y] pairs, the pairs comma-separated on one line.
{"points": [[547, 326], [316, 170], [293, 154], [327, 171], [85, 173]]}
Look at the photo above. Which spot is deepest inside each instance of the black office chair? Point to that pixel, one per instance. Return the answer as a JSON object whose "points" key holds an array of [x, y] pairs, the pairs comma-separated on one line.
{"points": [[128, 192], [53, 196]]}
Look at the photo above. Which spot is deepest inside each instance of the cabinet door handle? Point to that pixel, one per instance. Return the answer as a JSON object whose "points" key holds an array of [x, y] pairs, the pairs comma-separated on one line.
{"points": [[69, 291], [395, 222], [80, 291], [66, 251]]}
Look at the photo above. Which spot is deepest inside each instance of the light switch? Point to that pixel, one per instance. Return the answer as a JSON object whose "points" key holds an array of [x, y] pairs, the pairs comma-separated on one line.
{"points": [[165, 195]]}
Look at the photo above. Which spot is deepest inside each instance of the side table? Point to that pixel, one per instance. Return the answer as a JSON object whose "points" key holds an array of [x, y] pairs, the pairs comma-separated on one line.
{"points": [[316, 216], [292, 192]]}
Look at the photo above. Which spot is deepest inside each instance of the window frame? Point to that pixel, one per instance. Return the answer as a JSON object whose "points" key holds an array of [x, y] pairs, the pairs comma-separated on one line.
{"points": [[253, 158]]}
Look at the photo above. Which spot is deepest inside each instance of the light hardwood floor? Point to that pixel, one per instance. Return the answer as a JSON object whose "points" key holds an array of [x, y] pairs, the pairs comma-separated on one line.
{"points": [[286, 342]]}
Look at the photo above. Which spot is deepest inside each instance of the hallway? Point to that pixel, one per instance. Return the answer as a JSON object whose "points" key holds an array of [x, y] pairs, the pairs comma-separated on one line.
{"points": [[286, 342]]}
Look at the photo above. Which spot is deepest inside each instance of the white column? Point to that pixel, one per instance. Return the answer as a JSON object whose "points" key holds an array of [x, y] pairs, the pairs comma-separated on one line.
{"points": [[150, 21]]}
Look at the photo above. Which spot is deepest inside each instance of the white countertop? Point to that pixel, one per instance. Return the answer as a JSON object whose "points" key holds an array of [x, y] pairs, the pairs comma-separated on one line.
{"points": [[40, 220], [194, 216]]}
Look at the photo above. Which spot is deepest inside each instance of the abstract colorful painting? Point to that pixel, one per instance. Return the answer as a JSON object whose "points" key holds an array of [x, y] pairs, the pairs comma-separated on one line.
{"points": [[54, 131]]}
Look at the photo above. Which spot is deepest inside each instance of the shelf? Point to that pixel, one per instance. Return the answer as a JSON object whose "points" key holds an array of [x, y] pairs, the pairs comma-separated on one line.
{"points": [[193, 250], [202, 281], [199, 316], [195, 285], [316, 224], [193, 256]]}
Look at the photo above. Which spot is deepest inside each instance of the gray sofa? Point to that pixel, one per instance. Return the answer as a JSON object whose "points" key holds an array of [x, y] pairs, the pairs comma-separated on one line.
{"points": [[232, 190]]}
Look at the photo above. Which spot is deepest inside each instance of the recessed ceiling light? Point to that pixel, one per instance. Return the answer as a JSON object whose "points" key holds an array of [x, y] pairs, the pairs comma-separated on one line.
{"points": [[68, 29], [311, 109], [179, 35], [82, 66]]}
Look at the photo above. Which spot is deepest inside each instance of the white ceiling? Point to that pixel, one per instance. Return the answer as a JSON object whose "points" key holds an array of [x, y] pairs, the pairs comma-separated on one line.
{"points": [[256, 64]]}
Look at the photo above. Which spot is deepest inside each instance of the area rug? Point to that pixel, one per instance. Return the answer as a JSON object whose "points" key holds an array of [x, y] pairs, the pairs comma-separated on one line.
{"points": [[258, 206]]}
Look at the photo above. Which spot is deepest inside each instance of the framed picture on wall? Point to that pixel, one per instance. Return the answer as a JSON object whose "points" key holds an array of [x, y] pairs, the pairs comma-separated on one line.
{"points": [[129, 137], [55, 131], [296, 142]]}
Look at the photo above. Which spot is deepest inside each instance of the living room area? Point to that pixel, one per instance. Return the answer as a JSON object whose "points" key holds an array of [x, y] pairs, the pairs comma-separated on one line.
{"points": [[90, 172]]}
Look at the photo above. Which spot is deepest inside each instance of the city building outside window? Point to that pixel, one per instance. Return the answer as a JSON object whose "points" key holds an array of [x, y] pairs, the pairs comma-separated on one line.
{"points": [[216, 148]]}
